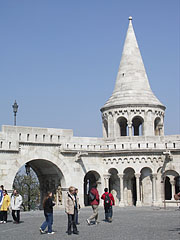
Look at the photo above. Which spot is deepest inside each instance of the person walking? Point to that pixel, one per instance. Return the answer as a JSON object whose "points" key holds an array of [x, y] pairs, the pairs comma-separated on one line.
{"points": [[108, 203], [16, 201], [4, 207], [77, 206], [48, 205], [70, 210], [94, 201]]}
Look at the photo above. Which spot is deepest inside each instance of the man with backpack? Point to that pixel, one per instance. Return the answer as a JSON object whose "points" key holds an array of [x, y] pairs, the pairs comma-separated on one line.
{"points": [[94, 201], [108, 203]]}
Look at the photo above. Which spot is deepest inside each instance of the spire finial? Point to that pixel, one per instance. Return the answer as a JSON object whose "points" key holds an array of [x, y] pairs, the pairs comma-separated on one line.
{"points": [[130, 18]]}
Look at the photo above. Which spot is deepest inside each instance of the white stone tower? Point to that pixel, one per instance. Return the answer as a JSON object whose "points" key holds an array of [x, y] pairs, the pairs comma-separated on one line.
{"points": [[133, 109]]}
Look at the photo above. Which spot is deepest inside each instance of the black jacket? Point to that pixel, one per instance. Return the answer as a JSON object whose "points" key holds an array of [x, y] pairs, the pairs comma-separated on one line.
{"points": [[48, 206]]}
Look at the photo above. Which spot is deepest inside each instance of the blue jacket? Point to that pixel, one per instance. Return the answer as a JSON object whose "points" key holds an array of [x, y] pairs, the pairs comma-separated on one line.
{"points": [[1, 197]]}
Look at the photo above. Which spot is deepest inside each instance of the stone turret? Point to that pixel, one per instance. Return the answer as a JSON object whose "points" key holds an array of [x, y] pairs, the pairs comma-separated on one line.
{"points": [[132, 109]]}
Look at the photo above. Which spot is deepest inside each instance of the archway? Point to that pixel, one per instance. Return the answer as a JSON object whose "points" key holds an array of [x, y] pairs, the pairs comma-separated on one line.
{"points": [[122, 122], [146, 186], [138, 126], [130, 195], [91, 178], [157, 126], [114, 185], [170, 186], [50, 178]]}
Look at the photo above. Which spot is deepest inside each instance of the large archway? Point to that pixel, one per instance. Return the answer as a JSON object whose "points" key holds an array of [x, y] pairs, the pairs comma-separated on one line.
{"points": [[91, 178], [50, 179], [170, 184]]}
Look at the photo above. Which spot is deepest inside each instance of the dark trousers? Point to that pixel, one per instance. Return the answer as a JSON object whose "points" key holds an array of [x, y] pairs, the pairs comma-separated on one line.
{"points": [[71, 223], [108, 212], [16, 215], [3, 216], [76, 215]]}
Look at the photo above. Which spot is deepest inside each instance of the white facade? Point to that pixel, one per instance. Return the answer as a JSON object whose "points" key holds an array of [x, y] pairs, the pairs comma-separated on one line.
{"points": [[134, 159]]}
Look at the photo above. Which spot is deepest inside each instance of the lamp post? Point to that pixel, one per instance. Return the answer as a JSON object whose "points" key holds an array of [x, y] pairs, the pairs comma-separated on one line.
{"points": [[15, 108], [27, 167]]}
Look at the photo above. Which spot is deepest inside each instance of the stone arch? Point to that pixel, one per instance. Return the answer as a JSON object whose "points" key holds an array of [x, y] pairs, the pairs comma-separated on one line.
{"points": [[146, 191], [122, 124], [50, 177], [114, 184], [92, 177], [158, 126], [170, 177], [138, 126], [129, 182]]}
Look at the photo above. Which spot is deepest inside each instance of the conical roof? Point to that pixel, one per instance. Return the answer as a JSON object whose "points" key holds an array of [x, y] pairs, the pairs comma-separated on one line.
{"points": [[132, 85]]}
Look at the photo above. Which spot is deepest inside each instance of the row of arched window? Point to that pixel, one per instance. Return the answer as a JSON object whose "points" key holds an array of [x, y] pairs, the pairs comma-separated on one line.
{"points": [[137, 127]]}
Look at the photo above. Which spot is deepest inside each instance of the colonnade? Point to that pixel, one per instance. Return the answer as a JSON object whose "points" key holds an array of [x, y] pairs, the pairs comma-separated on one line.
{"points": [[123, 179]]}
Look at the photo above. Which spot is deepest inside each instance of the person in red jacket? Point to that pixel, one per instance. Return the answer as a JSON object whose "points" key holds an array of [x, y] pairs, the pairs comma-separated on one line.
{"points": [[108, 203], [94, 201]]}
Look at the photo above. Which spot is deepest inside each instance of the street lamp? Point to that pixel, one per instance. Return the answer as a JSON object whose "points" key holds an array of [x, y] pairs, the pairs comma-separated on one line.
{"points": [[28, 168], [15, 108]]}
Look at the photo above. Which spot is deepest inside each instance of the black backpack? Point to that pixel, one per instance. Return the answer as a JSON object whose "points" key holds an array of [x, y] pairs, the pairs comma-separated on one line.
{"points": [[107, 200], [91, 196]]}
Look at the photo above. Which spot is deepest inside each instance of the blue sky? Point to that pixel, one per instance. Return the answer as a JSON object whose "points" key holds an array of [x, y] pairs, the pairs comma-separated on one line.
{"points": [[59, 59]]}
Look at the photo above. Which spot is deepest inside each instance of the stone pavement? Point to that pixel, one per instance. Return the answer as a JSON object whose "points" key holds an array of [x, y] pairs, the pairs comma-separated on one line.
{"points": [[130, 223]]}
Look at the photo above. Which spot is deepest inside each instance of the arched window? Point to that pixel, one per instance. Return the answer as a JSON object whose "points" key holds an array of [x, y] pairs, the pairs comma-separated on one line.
{"points": [[122, 122], [157, 126], [138, 126]]}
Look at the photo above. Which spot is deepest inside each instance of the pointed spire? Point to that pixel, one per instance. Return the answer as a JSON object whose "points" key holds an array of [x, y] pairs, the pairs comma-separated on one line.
{"points": [[132, 85]]}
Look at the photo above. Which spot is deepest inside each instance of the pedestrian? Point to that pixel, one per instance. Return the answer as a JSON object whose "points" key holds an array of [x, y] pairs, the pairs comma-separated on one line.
{"points": [[177, 198], [4, 207], [108, 203], [94, 201], [77, 206], [1, 195], [70, 210], [16, 201], [48, 205]]}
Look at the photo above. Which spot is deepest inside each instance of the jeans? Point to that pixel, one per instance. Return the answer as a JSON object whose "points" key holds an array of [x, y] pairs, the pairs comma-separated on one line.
{"points": [[16, 215], [108, 212], [71, 223], [48, 222], [95, 213]]}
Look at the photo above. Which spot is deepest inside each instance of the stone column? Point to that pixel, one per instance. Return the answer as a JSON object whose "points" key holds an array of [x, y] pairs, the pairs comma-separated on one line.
{"points": [[173, 188], [130, 129], [154, 177], [138, 202], [121, 176], [106, 180]]}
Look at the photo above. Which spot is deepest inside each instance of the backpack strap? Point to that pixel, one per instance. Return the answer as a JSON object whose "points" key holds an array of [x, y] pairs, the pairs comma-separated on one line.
{"points": [[70, 197]]}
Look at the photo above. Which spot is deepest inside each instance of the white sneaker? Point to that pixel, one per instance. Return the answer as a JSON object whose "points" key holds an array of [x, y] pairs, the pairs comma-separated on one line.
{"points": [[88, 222], [1, 221], [41, 231], [4, 222], [52, 233]]}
